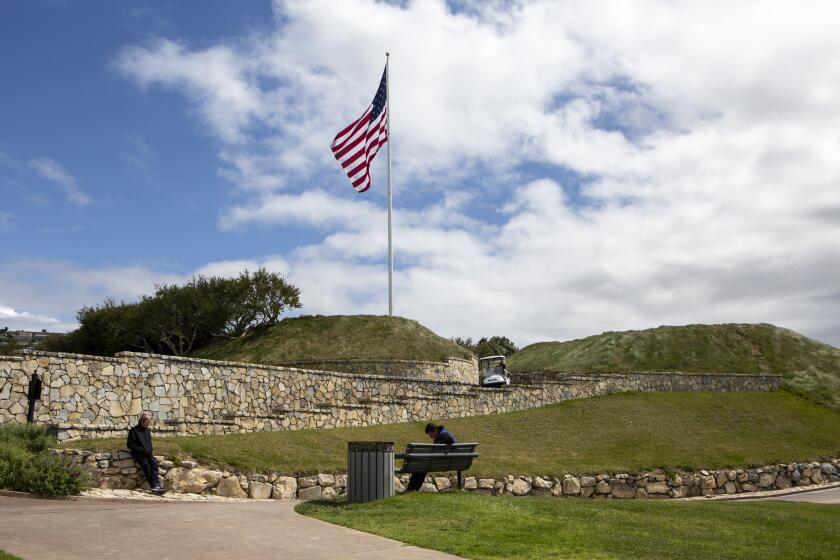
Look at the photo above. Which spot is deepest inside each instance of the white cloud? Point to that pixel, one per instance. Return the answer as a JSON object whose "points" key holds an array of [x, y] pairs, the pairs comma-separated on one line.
{"points": [[705, 133], [53, 171], [24, 320]]}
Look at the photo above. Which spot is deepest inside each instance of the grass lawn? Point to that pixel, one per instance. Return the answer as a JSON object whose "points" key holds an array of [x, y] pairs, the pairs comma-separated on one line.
{"points": [[7, 556], [622, 432], [484, 527], [810, 367]]}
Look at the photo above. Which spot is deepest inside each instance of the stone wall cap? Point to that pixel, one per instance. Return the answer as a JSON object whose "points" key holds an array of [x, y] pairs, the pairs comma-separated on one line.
{"points": [[620, 373]]}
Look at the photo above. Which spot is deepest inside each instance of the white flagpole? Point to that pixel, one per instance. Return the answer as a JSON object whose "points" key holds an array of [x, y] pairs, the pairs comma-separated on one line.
{"points": [[390, 242]]}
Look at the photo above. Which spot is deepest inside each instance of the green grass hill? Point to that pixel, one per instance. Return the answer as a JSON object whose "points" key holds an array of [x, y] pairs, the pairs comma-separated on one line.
{"points": [[321, 337], [624, 432], [810, 367]]}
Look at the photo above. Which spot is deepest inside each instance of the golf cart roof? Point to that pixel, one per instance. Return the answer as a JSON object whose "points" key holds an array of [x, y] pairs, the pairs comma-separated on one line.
{"points": [[492, 357]]}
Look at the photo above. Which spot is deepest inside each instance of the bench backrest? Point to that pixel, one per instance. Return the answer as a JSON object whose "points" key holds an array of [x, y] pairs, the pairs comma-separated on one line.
{"points": [[432, 457]]}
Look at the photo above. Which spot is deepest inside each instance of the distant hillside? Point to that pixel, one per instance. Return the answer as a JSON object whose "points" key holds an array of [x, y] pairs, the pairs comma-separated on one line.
{"points": [[810, 367], [335, 337]]}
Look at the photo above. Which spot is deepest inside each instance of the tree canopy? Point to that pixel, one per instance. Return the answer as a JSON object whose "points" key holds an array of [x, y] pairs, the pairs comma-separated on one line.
{"points": [[493, 346], [180, 319]]}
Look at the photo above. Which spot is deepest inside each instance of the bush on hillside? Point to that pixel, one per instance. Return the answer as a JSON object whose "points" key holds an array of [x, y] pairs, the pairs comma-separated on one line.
{"points": [[27, 466], [493, 346], [180, 319]]}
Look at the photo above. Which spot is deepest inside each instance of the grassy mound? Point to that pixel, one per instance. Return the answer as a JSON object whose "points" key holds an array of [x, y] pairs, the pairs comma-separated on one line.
{"points": [[486, 527], [320, 337], [810, 367], [622, 432]]}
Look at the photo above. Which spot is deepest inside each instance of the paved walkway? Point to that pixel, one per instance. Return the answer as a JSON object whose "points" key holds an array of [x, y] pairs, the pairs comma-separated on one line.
{"points": [[827, 496], [88, 528]]}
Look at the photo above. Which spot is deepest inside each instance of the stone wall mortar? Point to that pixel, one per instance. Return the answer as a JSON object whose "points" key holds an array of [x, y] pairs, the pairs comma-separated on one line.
{"points": [[89, 396], [116, 470]]}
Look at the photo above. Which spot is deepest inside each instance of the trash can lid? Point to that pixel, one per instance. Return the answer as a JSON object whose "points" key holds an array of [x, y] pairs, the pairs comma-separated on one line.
{"points": [[370, 445]]}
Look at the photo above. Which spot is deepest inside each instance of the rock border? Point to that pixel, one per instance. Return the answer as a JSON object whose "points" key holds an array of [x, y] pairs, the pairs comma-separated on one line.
{"points": [[118, 471]]}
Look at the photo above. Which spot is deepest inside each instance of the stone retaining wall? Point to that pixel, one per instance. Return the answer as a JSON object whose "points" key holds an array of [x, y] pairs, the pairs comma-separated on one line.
{"points": [[117, 470], [454, 369], [90, 396], [14, 384]]}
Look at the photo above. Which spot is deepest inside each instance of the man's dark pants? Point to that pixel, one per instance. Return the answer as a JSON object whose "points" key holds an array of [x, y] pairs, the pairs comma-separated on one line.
{"points": [[416, 481], [149, 466]]}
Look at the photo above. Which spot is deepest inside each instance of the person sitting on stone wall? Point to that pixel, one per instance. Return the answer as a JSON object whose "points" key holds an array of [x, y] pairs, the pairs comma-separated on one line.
{"points": [[438, 434], [140, 445]]}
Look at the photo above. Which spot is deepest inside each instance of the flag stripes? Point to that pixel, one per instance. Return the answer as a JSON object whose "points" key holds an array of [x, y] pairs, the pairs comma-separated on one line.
{"points": [[355, 147]]}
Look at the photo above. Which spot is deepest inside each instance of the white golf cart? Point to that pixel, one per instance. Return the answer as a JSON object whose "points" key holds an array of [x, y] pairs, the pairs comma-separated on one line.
{"points": [[493, 371]]}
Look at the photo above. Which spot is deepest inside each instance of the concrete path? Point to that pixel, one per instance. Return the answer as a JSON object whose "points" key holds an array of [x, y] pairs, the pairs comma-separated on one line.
{"points": [[88, 528], [827, 496]]}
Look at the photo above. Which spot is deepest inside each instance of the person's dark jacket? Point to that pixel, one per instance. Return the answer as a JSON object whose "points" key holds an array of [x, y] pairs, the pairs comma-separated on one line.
{"points": [[443, 436], [140, 441]]}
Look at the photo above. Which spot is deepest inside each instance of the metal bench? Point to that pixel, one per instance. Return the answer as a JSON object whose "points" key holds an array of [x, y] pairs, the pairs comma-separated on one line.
{"points": [[437, 457]]}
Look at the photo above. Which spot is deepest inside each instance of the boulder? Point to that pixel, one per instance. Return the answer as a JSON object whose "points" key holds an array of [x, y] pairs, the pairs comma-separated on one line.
{"points": [[260, 490], [470, 483], [782, 481], [486, 483], [230, 488], [182, 481], [571, 486], [625, 491], [766, 480], [603, 487], [310, 493], [679, 491], [428, 487], [442, 483], [587, 481], [730, 487], [328, 493], [285, 488], [325, 480], [520, 487], [307, 481], [656, 488], [828, 469], [541, 483]]}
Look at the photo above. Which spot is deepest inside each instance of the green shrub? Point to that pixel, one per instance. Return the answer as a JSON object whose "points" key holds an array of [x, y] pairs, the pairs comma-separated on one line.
{"points": [[49, 475], [26, 466], [32, 437]]}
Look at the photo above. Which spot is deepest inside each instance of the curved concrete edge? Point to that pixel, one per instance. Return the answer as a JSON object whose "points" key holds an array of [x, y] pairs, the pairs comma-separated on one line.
{"points": [[769, 494]]}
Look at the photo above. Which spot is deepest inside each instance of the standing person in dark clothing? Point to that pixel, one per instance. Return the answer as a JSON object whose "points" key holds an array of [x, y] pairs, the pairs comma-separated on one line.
{"points": [[140, 445], [438, 434]]}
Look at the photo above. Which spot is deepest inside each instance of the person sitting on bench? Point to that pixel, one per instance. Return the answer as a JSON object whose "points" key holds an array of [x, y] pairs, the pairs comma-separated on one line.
{"points": [[438, 434], [140, 444]]}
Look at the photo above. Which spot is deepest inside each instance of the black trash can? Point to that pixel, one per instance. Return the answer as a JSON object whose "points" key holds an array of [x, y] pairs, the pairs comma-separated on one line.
{"points": [[370, 470]]}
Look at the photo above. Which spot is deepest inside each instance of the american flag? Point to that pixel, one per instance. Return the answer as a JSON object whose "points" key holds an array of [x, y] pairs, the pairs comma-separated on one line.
{"points": [[356, 145]]}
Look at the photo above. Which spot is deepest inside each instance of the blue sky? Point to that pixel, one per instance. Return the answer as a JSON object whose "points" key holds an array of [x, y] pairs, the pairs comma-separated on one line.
{"points": [[560, 169], [147, 166]]}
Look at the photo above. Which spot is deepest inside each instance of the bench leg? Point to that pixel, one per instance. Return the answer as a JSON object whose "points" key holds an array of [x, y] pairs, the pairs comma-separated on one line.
{"points": [[460, 480]]}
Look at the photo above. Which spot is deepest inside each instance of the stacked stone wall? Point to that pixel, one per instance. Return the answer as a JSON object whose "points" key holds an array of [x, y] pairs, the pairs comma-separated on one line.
{"points": [[14, 385], [116, 470], [89, 396], [454, 369]]}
